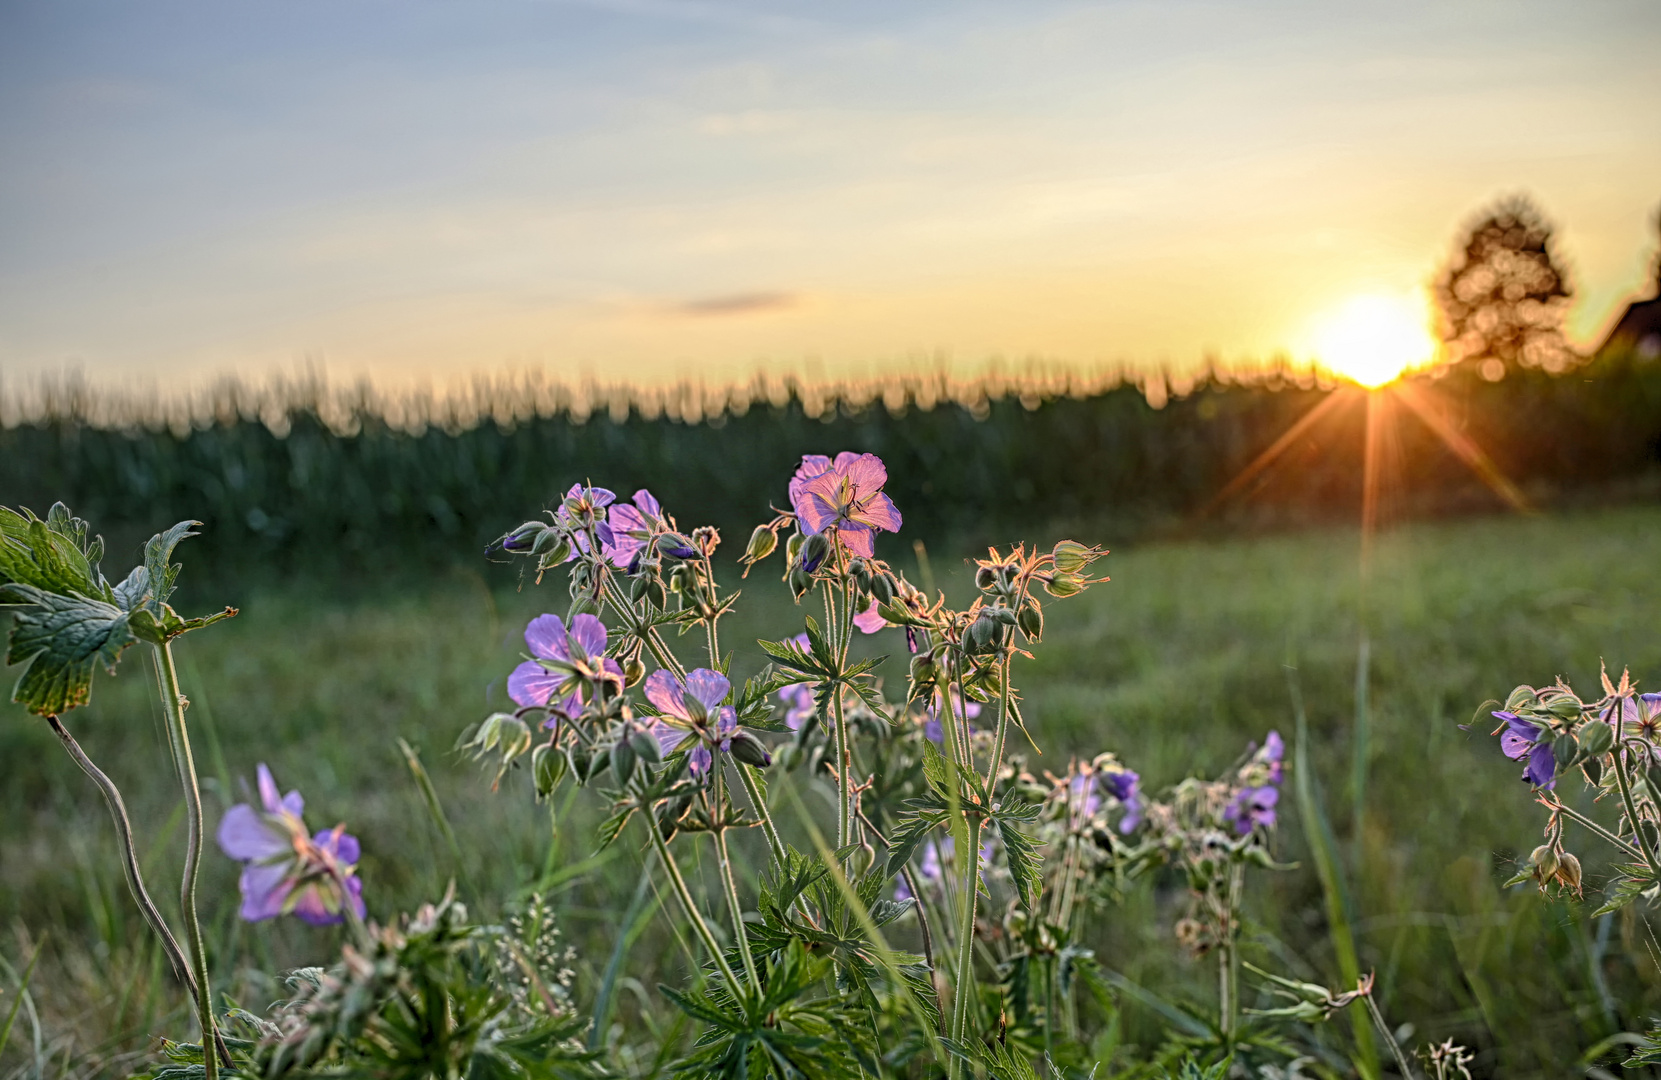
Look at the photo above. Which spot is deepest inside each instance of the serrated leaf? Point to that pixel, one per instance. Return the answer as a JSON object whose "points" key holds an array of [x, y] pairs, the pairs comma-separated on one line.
{"points": [[904, 841], [1026, 866], [60, 638], [1633, 884], [160, 573], [936, 770]]}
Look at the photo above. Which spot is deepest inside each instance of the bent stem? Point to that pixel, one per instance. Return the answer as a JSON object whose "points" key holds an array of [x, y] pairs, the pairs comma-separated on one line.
{"points": [[178, 737], [131, 866], [1389, 1038]]}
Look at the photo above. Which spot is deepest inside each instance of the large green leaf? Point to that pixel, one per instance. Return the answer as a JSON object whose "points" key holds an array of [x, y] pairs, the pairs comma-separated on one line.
{"points": [[60, 637]]}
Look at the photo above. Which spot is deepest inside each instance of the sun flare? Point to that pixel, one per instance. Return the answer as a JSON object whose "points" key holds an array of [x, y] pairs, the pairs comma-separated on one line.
{"points": [[1373, 340]]}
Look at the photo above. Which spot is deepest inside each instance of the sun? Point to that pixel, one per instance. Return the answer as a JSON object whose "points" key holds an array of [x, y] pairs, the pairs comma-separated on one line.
{"points": [[1373, 340]]}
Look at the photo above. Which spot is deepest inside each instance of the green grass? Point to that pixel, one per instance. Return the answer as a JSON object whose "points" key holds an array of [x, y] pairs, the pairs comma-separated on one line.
{"points": [[1174, 665]]}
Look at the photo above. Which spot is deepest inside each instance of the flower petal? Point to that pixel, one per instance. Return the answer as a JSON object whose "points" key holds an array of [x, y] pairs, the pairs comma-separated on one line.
{"points": [[858, 539], [870, 620], [867, 472], [532, 684], [1542, 767], [647, 504], [666, 695], [709, 687], [268, 788], [265, 888], [879, 512], [589, 632], [339, 843], [545, 637], [245, 833], [699, 760], [669, 736]]}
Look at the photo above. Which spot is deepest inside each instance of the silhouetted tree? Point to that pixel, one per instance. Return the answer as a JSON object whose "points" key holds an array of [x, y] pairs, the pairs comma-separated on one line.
{"points": [[1502, 296]]}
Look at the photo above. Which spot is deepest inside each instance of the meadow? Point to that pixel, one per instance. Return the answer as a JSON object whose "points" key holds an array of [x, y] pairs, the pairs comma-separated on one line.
{"points": [[1194, 648]]}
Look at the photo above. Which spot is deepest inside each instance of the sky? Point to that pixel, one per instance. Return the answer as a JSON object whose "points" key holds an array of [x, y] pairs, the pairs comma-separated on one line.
{"points": [[651, 191]]}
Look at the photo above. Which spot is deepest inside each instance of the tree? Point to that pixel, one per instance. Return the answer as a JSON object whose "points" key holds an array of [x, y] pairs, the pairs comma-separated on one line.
{"points": [[1503, 296]]}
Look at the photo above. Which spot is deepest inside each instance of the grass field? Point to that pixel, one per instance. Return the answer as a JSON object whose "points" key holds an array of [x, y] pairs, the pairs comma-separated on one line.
{"points": [[1174, 665]]}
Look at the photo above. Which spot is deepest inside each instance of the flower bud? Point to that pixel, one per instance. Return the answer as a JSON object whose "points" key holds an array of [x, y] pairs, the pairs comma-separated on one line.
{"points": [[793, 547], [522, 540], [762, 542], [622, 761], [1063, 585], [1566, 707], [1003, 614], [749, 749], [860, 571], [983, 633], [640, 588], [1566, 749], [1544, 860], [656, 593], [547, 769], [924, 668], [800, 582], [681, 579], [646, 746], [633, 672], [1070, 557], [882, 588], [814, 550], [1521, 698], [1031, 620], [1596, 738]]}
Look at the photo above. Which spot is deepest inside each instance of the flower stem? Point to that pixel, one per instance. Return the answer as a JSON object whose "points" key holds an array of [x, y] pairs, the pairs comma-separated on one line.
{"points": [[1229, 954], [964, 980], [1624, 783], [737, 910], [1389, 1038], [1592, 826], [705, 934], [173, 706], [130, 864], [1003, 722]]}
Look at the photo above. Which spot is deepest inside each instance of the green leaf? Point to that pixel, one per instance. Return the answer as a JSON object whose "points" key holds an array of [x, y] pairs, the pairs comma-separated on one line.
{"points": [[161, 574], [1636, 880], [59, 638], [904, 841], [1026, 866]]}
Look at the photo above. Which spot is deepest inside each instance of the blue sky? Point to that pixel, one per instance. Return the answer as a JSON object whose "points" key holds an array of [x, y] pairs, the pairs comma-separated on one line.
{"points": [[654, 191]]}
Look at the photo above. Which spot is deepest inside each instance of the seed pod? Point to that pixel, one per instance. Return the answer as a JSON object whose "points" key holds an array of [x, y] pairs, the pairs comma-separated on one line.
{"points": [[983, 633], [1568, 871], [597, 764], [800, 582], [681, 579], [633, 672], [985, 577], [706, 538], [622, 761], [557, 555], [1544, 860], [1521, 698], [882, 588], [548, 541], [1003, 614], [1594, 770], [640, 588], [1596, 738], [793, 548], [762, 542], [1566, 749], [749, 749], [656, 593], [1031, 620], [924, 668]]}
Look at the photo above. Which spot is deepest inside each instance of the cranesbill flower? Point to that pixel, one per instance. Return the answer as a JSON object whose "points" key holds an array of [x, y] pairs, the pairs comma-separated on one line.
{"points": [[631, 530], [548, 638], [697, 707], [584, 507], [286, 870], [932, 729], [1251, 808], [1126, 786], [798, 704], [1525, 739], [1640, 716], [845, 495]]}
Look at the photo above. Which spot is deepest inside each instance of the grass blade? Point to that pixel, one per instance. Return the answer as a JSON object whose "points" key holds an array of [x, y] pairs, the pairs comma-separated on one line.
{"points": [[22, 989], [1323, 852], [435, 810]]}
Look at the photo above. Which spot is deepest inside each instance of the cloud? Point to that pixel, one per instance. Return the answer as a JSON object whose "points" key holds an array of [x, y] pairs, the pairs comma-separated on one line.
{"points": [[749, 303]]}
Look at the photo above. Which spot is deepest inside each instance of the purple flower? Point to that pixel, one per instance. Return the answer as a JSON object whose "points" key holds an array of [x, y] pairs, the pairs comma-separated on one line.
{"points": [[633, 532], [869, 621], [286, 870], [798, 704], [1125, 786], [694, 704], [845, 495], [582, 644], [932, 728], [1522, 738], [1251, 808], [582, 508]]}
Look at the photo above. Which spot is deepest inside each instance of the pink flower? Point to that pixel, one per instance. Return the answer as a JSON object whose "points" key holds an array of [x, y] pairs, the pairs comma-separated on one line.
{"points": [[845, 495]]}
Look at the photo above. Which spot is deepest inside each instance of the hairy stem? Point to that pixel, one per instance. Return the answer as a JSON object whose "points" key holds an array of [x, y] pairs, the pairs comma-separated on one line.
{"points": [[684, 894], [1623, 782], [1003, 719], [173, 706], [735, 908], [1402, 1066], [964, 980], [1592, 826]]}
